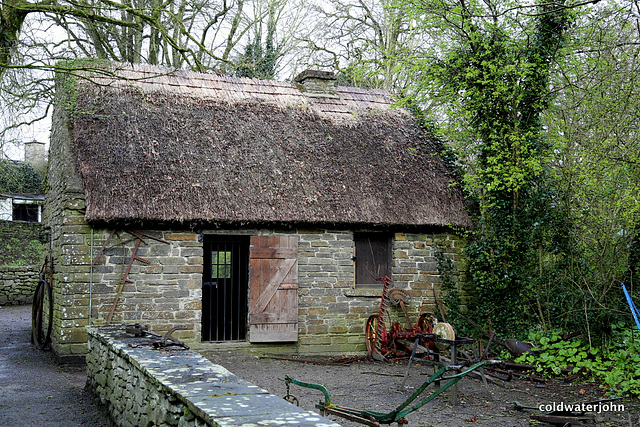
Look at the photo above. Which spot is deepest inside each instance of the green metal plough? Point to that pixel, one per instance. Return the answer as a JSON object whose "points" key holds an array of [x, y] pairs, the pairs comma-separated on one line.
{"points": [[398, 415]]}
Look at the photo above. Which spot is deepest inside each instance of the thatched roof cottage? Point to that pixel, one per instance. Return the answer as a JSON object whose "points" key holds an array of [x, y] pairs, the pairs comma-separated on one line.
{"points": [[247, 210]]}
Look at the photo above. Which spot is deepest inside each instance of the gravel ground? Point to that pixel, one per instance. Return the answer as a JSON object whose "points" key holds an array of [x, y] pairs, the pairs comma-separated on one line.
{"points": [[372, 385], [35, 390]]}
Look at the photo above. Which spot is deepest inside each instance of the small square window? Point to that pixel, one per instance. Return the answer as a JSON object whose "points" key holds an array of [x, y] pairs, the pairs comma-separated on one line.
{"points": [[220, 264], [372, 258]]}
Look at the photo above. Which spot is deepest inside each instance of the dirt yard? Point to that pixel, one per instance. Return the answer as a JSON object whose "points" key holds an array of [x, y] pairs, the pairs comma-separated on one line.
{"points": [[372, 385]]}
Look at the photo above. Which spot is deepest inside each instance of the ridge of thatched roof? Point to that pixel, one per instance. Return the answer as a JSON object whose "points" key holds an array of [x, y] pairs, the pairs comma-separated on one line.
{"points": [[153, 145]]}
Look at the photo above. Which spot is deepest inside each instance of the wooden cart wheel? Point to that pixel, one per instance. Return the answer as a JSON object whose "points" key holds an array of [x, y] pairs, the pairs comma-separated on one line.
{"points": [[374, 341], [444, 331], [42, 315], [36, 312]]}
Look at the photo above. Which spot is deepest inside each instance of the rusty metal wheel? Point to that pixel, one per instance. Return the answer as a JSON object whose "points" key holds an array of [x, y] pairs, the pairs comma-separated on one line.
{"points": [[425, 323], [42, 315], [373, 333]]}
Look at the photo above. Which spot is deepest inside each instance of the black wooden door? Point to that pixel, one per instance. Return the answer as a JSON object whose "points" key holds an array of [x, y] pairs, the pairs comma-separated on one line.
{"points": [[225, 288]]}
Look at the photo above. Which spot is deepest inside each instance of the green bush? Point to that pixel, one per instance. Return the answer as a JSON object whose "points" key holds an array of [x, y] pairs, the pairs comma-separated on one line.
{"points": [[616, 366], [19, 178]]}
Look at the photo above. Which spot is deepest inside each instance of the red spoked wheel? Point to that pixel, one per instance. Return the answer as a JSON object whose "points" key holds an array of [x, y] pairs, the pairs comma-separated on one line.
{"points": [[425, 324], [374, 333]]}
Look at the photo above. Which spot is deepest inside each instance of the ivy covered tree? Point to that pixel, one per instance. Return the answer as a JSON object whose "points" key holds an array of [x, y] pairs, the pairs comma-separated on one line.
{"points": [[259, 61], [491, 67]]}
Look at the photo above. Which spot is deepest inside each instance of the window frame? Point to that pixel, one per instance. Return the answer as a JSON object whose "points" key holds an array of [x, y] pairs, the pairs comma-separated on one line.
{"points": [[27, 212], [379, 259]]}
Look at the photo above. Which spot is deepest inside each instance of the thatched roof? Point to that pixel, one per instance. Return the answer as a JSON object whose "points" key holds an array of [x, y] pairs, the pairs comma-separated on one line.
{"points": [[206, 148]]}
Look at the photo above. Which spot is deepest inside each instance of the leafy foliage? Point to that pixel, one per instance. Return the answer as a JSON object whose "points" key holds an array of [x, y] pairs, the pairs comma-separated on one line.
{"points": [[497, 84], [616, 367], [19, 178]]}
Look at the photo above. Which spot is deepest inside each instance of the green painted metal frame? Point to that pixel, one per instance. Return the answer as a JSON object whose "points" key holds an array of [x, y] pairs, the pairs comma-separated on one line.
{"points": [[397, 415]]}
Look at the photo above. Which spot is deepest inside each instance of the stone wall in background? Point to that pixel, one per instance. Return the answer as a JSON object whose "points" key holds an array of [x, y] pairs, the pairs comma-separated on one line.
{"points": [[22, 229], [17, 284]]}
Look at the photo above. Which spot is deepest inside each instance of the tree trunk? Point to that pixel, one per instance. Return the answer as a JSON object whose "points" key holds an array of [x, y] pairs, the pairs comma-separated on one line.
{"points": [[12, 17]]}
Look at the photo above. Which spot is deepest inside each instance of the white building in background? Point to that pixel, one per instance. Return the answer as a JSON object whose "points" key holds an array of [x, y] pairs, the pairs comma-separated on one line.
{"points": [[21, 207], [25, 207]]}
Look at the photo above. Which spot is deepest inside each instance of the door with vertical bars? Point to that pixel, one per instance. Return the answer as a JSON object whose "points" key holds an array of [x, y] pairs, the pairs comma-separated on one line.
{"points": [[225, 285]]}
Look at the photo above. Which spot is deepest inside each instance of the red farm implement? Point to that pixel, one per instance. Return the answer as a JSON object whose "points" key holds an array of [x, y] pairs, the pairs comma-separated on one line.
{"points": [[389, 339]]}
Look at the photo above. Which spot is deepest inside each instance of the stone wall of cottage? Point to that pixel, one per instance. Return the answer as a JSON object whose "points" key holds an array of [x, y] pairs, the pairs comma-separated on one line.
{"points": [[167, 291], [163, 286], [64, 204], [96, 282]]}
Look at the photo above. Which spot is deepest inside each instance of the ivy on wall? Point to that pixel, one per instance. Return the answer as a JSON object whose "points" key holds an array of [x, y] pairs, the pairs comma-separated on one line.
{"points": [[497, 83], [19, 178]]}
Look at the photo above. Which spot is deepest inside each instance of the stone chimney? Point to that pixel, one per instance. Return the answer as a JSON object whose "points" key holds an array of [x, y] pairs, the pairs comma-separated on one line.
{"points": [[317, 83], [34, 154]]}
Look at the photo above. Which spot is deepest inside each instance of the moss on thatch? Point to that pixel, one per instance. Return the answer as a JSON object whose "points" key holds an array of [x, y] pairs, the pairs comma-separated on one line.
{"points": [[169, 155]]}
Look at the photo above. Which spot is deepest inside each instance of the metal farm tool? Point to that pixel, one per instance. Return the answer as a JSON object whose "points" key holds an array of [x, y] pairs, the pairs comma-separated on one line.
{"points": [[138, 239], [372, 418], [383, 342], [167, 340]]}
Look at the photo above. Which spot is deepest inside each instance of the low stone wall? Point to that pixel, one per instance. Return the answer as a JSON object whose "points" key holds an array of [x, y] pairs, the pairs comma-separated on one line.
{"points": [[22, 229], [138, 385], [17, 284]]}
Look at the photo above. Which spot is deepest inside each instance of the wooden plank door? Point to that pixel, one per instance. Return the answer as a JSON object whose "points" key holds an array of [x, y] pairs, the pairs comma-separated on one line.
{"points": [[273, 296]]}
